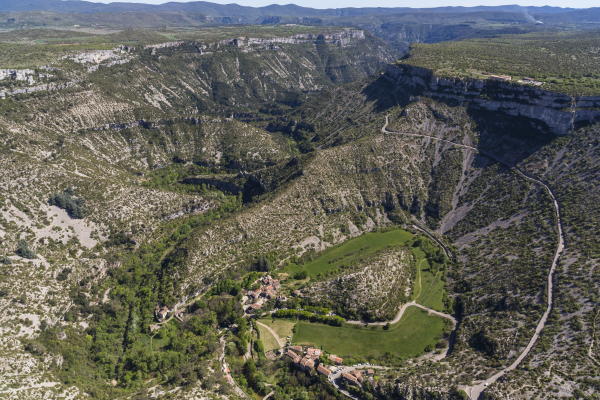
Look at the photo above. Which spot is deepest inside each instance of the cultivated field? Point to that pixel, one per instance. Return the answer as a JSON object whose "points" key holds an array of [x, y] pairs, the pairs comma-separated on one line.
{"points": [[407, 338], [269, 341]]}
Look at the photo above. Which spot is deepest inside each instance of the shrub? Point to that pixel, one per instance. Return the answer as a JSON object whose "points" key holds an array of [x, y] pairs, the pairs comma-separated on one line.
{"points": [[6, 260], [24, 251], [63, 275], [35, 348]]}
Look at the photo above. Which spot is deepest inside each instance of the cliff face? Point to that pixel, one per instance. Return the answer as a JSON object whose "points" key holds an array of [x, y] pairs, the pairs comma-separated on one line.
{"points": [[560, 112]]}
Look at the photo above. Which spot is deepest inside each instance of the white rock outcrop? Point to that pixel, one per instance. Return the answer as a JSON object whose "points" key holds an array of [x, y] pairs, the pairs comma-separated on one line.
{"points": [[17, 74]]}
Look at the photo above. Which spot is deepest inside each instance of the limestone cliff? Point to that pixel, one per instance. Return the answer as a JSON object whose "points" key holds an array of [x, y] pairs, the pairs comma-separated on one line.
{"points": [[560, 112]]}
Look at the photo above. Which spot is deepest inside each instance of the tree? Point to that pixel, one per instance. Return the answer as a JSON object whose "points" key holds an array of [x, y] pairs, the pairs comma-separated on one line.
{"points": [[301, 275], [263, 265], [387, 326], [259, 346], [242, 346], [74, 206], [250, 367], [6, 260]]}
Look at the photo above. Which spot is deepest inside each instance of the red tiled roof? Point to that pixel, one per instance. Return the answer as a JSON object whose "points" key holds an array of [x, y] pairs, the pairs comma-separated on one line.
{"points": [[349, 376], [306, 362], [321, 369], [295, 357]]}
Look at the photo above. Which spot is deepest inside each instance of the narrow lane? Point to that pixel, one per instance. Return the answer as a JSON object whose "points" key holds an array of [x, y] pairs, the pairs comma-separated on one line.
{"points": [[476, 391]]}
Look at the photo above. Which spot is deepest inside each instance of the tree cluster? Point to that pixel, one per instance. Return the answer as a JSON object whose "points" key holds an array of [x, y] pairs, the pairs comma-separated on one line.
{"points": [[308, 316]]}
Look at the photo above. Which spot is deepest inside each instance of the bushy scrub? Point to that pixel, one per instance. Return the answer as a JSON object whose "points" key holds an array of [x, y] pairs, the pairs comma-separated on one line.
{"points": [[65, 200], [24, 251]]}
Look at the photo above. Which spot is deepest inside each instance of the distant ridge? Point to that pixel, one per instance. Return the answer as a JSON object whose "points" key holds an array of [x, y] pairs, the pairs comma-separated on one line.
{"points": [[235, 10]]}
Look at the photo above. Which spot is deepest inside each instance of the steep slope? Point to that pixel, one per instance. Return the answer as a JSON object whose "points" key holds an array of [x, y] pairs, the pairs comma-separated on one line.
{"points": [[504, 243]]}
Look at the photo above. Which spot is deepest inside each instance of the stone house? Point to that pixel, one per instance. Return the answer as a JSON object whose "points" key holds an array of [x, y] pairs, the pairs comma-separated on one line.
{"points": [[351, 379], [253, 308], [337, 360], [307, 364], [323, 371], [162, 313]]}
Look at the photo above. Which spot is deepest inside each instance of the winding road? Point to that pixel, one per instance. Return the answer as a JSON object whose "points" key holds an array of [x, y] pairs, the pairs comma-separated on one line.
{"points": [[448, 253], [220, 356], [476, 391], [401, 312]]}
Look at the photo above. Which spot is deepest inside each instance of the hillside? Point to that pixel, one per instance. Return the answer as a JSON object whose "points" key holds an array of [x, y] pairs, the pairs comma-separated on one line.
{"points": [[159, 187]]}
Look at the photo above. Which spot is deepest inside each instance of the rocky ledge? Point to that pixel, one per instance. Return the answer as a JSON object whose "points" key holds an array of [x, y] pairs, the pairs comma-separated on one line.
{"points": [[560, 112]]}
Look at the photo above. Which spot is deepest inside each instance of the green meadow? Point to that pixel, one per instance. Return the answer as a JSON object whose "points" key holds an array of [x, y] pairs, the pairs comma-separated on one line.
{"points": [[351, 250], [406, 338], [429, 287]]}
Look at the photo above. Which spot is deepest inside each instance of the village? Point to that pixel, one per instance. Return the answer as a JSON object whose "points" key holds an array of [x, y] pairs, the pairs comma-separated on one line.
{"points": [[255, 299], [305, 358], [268, 291], [308, 359]]}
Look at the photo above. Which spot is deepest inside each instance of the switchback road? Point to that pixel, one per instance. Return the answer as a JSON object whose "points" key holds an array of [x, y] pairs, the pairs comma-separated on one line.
{"points": [[476, 391]]}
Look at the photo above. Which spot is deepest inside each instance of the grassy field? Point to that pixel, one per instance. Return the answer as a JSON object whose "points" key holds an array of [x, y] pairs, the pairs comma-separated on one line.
{"points": [[268, 339], [156, 342], [353, 249], [429, 292], [407, 338], [282, 327]]}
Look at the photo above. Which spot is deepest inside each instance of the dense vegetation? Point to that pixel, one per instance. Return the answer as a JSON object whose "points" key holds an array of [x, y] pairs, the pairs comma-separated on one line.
{"points": [[118, 343]]}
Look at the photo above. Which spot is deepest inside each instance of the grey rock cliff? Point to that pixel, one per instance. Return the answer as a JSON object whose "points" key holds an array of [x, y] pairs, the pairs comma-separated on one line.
{"points": [[560, 112]]}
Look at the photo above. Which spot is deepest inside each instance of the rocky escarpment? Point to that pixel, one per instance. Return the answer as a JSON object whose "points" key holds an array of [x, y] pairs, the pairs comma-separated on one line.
{"points": [[341, 38], [560, 112]]}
